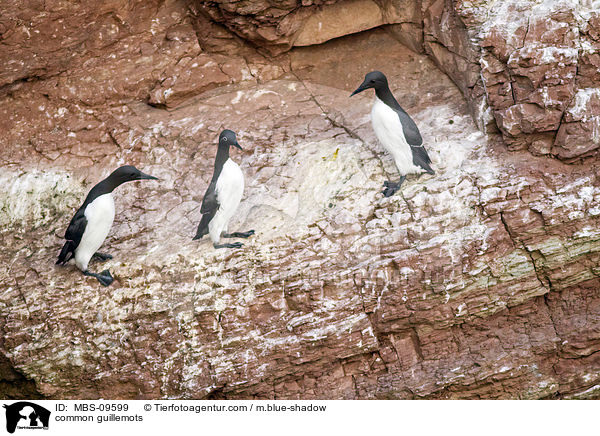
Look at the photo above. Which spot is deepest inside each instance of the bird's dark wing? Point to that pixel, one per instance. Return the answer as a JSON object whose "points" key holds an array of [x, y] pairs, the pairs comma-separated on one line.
{"points": [[210, 205], [414, 139], [73, 236], [76, 227], [411, 131], [210, 202]]}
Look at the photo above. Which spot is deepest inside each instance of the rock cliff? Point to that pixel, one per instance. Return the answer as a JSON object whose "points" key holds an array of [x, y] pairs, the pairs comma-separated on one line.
{"points": [[479, 282]]}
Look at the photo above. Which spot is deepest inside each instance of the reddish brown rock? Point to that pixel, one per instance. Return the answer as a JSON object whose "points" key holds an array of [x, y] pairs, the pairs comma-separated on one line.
{"points": [[518, 64], [478, 282], [579, 134], [447, 42], [189, 77], [278, 26], [535, 58]]}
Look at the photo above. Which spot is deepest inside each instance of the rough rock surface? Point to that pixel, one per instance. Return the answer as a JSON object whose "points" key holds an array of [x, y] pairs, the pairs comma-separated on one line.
{"points": [[279, 25], [530, 68], [541, 70], [479, 282]]}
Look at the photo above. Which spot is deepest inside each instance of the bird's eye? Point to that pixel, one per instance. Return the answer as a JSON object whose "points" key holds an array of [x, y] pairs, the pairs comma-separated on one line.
{"points": [[225, 139], [372, 81]]}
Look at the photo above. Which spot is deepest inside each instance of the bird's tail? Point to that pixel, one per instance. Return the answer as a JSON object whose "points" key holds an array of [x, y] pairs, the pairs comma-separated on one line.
{"points": [[203, 226], [426, 163], [426, 167], [421, 158], [66, 253]]}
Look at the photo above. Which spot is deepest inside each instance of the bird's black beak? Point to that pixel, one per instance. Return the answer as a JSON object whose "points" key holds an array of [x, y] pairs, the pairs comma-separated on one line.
{"points": [[143, 176], [361, 88], [238, 146]]}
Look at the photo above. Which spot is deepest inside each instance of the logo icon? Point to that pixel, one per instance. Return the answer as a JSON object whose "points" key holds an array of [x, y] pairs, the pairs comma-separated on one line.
{"points": [[26, 415]]}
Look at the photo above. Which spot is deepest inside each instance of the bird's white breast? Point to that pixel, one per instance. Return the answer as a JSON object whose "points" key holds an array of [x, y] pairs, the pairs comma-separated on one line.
{"points": [[389, 131], [99, 214], [229, 189]]}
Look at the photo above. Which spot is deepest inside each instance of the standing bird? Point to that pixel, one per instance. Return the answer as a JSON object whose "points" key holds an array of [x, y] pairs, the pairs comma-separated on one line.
{"points": [[92, 222], [396, 131], [223, 196]]}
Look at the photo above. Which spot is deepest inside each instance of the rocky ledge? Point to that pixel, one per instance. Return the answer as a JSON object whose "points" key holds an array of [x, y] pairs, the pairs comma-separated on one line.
{"points": [[479, 282]]}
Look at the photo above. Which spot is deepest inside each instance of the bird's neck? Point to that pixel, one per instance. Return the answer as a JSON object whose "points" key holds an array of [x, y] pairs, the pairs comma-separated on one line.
{"points": [[386, 96], [109, 184], [106, 186], [222, 157]]}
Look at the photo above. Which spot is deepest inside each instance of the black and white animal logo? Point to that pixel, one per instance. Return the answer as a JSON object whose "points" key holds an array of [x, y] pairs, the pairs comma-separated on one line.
{"points": [[396, 131], [26, 415]]}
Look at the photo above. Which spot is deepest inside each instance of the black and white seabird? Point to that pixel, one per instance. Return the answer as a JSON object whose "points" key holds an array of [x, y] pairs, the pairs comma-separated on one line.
{"points": [[223, 196], [396, 131], [92, 222]]}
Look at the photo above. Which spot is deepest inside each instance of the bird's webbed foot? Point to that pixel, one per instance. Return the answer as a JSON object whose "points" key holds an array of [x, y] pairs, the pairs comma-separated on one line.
{"points": [[392, 187], [102, 256], [239, 234], [229, 245], [105, 278]]}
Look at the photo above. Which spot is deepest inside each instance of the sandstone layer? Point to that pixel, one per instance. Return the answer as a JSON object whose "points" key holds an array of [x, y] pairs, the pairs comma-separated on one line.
{"points": [[479, 282]]}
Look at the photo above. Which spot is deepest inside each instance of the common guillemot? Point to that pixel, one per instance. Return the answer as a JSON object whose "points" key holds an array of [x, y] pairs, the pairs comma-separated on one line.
{"points": [[396, 131], [92, 222], [223, 196]]}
